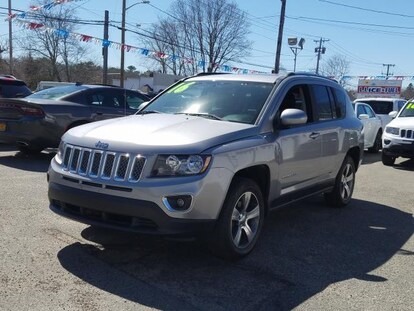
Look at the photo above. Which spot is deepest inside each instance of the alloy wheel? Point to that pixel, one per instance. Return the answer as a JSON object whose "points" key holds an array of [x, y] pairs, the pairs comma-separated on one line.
{"points": [[245, 220], [347, 182]]}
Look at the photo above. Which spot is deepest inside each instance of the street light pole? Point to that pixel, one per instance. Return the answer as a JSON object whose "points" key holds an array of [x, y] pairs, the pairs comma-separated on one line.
{"points": [[124, 9], [280, 36], [10, 41], [121, 82]]}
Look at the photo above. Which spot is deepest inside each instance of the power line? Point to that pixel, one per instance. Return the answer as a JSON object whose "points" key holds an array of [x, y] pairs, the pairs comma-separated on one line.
{"points": [[368, 10]]}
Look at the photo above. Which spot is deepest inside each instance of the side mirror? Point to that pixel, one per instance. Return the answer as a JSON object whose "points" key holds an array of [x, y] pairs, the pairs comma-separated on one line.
{"points": [[142, 106], [290, 117], [393, 114], [363, 116]]}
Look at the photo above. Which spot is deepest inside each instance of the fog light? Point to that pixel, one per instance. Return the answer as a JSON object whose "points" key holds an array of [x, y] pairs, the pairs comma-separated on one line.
{"points": [[387, 141], [177, 202]]}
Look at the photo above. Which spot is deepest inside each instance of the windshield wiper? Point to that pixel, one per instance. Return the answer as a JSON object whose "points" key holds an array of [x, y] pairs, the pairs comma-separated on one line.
{"points": [[205, 115], [147, 112]]}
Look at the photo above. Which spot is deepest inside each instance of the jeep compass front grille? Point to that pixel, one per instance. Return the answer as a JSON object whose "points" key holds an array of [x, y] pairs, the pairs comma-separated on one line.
{"points": [[102, 164], [407, 133]]}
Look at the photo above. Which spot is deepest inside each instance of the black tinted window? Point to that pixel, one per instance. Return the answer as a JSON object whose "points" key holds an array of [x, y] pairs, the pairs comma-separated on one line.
{"points": [[105, 98], [134, 100], [322, 103], [380, 107], [13, 88], [341, 98]]}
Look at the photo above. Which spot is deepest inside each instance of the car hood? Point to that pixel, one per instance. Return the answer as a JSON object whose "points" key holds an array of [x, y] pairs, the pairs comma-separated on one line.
{"points": [[406, 122], [157, 133]]}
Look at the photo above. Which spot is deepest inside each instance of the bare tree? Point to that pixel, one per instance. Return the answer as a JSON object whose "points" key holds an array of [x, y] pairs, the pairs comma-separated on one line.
{"points": [[337, 66], [56, 45], [199, 35]]}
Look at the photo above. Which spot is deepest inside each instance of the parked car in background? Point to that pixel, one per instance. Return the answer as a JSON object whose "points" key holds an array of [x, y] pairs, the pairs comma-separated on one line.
{"points": [[372, 126], [43, 85], [211, 155], [39, 120], [398, 138], [383, 106], [10, 87]]}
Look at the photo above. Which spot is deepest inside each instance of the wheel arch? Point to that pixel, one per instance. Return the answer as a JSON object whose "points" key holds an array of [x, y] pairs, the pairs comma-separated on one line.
{"points": [[355, 154], [260, 174]]}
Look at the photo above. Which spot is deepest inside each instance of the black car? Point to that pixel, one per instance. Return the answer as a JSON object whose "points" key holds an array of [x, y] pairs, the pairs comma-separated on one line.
{"points": [[10, 87], [39, 120]]}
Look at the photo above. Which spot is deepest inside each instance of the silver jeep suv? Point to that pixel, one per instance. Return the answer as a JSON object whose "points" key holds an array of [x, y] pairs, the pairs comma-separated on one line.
{"points": [[211, 155]]}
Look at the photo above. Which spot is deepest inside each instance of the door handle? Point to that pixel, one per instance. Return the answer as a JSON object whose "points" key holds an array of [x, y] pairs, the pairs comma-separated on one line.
{"points": [[314, 135]]}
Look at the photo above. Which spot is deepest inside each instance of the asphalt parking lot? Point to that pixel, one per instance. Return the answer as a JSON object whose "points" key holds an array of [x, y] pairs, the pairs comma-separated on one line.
{"points": [[310, 256]]}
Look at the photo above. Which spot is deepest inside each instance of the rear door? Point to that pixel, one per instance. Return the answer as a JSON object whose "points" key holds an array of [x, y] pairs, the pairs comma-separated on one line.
{"points": [[105, 104]]}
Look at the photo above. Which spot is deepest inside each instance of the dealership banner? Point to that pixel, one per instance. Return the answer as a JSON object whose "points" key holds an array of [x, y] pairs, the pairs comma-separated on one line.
{"points": [[379, 88]]}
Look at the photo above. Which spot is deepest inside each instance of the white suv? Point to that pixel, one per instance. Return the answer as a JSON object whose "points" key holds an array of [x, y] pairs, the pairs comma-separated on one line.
{"points": [[383, 106], [398, 138]]}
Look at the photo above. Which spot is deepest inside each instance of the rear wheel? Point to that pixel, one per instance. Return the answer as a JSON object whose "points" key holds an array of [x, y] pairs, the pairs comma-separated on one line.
{"points": [[377, 143], [240, 221], [344, 185], [387, 160]]}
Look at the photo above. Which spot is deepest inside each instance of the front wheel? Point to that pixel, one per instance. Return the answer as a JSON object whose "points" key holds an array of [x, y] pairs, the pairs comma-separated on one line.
{"points": [[387, 160], [344, 184], [240, 222]]}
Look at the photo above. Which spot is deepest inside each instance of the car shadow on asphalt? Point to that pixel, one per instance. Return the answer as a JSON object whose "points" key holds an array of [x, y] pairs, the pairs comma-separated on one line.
{"points": [[34, 163], [370, 158], [407, 165], [302, 250]]}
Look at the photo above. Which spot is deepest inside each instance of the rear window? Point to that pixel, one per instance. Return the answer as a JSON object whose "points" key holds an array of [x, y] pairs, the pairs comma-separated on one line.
{"points": [[57, 92], [380, 107], [13, 88]]}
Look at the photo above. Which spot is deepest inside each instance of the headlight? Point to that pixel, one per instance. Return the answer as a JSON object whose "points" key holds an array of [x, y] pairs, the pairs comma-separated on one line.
{"points": [[392, 130], [180, 165], [59, 154]]}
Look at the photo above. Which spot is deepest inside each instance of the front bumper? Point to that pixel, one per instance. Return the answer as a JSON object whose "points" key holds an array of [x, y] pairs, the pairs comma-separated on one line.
{"points": [[120, 213], [395, 146], [399, 150]]}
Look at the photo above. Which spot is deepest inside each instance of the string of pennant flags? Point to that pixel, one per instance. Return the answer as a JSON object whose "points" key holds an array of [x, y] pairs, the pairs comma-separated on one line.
{"points": [[129, 48], [19, 18], [34, 8]]}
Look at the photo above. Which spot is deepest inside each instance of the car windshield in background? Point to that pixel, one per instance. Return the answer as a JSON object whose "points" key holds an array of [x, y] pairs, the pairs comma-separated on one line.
{"points": [[380, 107], [57, 92], [236, 101], [408, 110]]}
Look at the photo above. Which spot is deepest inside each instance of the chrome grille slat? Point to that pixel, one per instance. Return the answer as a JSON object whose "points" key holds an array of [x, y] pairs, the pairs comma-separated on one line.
{"points": [[102, 164], [122, 167], [108, 165], [404, 133]]}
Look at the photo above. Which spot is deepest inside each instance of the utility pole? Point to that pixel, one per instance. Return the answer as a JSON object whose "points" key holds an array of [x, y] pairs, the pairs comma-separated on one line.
{"points": [[121, 82], [320, 50], [388, 69], [10, 41], [280, 36], [105, 49]]}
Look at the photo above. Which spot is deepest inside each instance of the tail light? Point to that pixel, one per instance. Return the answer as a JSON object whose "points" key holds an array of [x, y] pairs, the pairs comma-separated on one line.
{"points": [[25, 110], [32, 111]]}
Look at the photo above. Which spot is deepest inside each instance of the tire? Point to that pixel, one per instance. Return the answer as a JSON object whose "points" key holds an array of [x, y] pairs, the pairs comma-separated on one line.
{"points": [[377, 143], [30, 150], [387, 160], [240, 222], [344, 184]]}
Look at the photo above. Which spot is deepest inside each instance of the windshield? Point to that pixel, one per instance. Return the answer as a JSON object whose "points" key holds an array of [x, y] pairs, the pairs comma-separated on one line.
{"points": [[56, 92], [380, 107], [236, 101], [408, 110]]}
